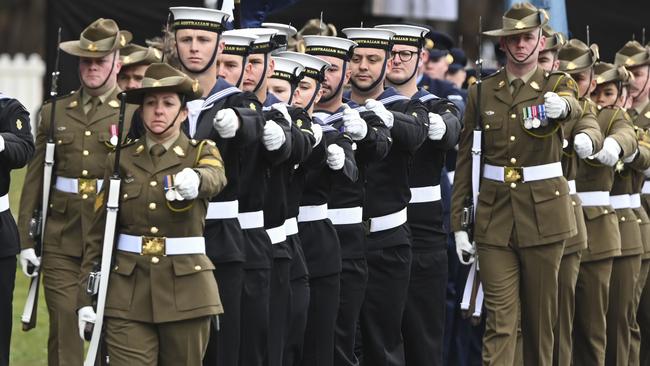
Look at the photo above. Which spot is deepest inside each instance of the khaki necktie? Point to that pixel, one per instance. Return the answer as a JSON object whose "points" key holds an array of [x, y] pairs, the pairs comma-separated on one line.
{"points": [[516, 85], [94, 103], [157, 151]]}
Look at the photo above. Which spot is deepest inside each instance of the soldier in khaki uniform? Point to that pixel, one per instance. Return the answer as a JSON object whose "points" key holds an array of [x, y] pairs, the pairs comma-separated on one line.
{"points": [[161, 292], [85, 125], [636, 60], [582, 138], [548, 58], [135, 60], [524, 210]]}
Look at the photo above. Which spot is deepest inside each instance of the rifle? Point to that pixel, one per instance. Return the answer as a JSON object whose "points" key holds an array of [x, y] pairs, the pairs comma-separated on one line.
{"points": [[37, 223], [112, 208]]}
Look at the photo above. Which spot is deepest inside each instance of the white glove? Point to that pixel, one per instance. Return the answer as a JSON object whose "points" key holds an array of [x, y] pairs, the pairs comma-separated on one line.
{"points": [[282, 108], [630, 158], [226, 123], [335, 157], [555, 105], [582, 145], [437, 127], [29, 256], [2, 144], [85, 315], [381, 112], [647, 173], [610, 152], [464, 248], [317, 130], [354, 125], [273, 136], [187, 183]]}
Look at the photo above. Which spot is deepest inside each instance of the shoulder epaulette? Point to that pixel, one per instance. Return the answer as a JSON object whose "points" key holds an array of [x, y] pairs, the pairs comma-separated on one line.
{"points": [[493, 74], [58, 97]]}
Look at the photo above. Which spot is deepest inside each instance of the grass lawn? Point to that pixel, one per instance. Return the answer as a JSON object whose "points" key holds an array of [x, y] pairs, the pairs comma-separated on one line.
{"points": [[27, 348]]}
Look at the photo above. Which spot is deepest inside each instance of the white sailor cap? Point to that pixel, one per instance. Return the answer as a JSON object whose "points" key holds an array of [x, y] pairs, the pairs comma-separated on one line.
{"points": [[186, 17], [329, 46], [265, 41], [314, 66], [370, 37], [238, 42], [284, 29], [287, 69], [410, 35]]}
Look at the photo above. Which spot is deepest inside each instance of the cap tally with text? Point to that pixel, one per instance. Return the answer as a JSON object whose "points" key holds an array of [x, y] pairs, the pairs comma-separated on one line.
{"points": [[410, 35], [287, 69], [211, 20], [314, 66], [329, 46], [576, 57], [238, 42], [370, 37], [520, 18], [265, 42], [632, 54]]}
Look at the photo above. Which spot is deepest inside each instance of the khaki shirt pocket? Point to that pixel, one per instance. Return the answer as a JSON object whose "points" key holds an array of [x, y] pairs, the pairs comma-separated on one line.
{"points": [[194, 283], [553, 209], [494, 133], [131, 205], [63, 147], [104, 138], [121, 284]]}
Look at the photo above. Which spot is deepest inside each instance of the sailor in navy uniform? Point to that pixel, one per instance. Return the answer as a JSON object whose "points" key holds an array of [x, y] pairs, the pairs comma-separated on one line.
{"points": [[424, 316], [387, 196]]}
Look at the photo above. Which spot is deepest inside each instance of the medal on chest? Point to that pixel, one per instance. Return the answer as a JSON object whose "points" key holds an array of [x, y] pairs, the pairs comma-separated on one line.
{"points": [[534, 117], [113, 131]]}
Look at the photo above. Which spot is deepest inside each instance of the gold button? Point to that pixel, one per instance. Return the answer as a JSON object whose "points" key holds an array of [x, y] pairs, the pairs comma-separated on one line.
{"points": [[512, 138], [155, 260], [513, 185], [116, 268], [622, 218], [125, 196], [557, 193], [153, 183], [487, 127], [84, 196], [84, 172], [85, 152], [197, 268], [59, 142], [513, 116], [573, 203], [513, 160], [153, 230], [152, 206], [87, 133], [639, 221], [605, 211]]}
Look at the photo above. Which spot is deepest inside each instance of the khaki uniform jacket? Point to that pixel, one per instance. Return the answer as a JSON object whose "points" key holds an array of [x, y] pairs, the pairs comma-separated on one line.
{"points": [[157, 288], [82, 145], [604, 240], [642, 120], [586, 124], [540, 212]]}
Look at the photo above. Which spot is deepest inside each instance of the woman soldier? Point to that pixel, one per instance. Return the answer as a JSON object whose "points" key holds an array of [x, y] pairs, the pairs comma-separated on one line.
{"points": [[162, 294]]}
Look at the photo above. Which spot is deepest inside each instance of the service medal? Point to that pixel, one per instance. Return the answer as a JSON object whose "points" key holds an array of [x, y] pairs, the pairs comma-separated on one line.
{"points": [[168, 186], [113, 140]]}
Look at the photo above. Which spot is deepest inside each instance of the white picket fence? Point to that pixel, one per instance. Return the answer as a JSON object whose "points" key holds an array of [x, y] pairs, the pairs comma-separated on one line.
{"points": [[21, 77]]}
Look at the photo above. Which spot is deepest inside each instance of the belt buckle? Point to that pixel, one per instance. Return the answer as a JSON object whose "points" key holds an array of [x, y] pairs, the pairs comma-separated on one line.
{"points": [[86, 186], [153, 245], [513, 174]]}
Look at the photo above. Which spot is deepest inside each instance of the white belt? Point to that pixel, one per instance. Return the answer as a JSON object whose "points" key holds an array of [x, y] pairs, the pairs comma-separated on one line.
{"points": [[635, 200], [450, 176], [620, 201], [646, 187], [572, 186], [223, 210], [291, 226], [151, 245], [594, 198], [522, 174], [425, 194], [71, 185], [277, 234], [388, 221], [4, 203], [345, 216], [312, 213], [251, 220]]}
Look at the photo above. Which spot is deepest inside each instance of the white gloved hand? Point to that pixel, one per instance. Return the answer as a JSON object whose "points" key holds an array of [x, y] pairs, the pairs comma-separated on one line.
{"points": [[555, 105], [582, 145], [647, 173], [384, 114], [464, 248], [85, 315], [273, 136], [187, 183], [29, 256], [437, 127], [355, 126], [282, 108], [226, 123], [610, 152], [317, 130], [2, 144], [335, 157], [630, 158]]}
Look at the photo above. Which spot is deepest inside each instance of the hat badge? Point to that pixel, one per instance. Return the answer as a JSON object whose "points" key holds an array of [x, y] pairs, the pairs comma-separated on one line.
{"points": [[122, 40], [156, 83], [520, 25], [126, 59], [571, 66], [156, 53], [629, 62], [92, 47]]}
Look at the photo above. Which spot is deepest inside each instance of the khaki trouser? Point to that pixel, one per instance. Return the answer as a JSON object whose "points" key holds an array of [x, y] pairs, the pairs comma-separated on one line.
{"points": [[591, 302], [131, 343], [643, 317], [61, 284], [510, 276], [622, 285], [635, 329], [567, 279]]}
